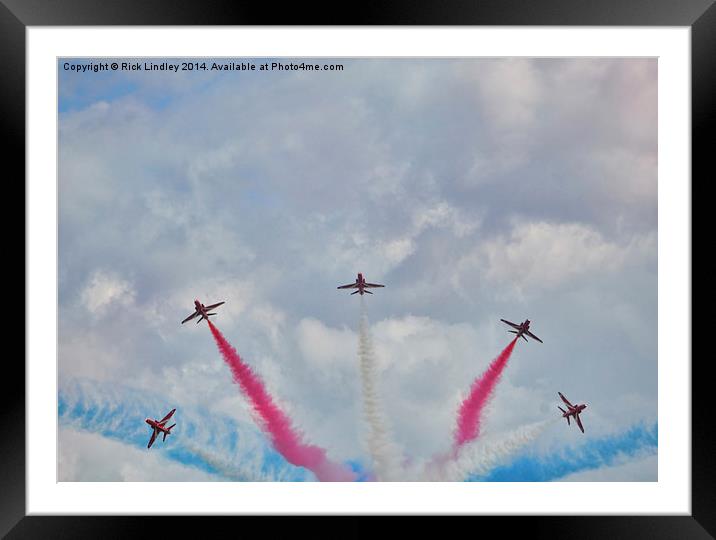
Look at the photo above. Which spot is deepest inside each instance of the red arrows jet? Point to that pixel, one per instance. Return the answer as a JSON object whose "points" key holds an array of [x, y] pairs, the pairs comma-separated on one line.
{"points": [[522, 329], [574, 410], [361, 285], [158, 426], [201, 309]]}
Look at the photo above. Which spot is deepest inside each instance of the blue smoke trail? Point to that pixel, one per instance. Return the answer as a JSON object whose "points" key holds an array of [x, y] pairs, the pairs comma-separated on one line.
{"points": [[214, 444], [362, 474], [235, 451], [596, 453]]}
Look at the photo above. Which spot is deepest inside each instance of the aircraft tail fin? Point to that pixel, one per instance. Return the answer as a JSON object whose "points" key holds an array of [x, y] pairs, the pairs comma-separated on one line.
{"points": [[523, 337], [568, 421], [355, 292], [167, 432], [561, 409], [512, 331], [367, 291]]}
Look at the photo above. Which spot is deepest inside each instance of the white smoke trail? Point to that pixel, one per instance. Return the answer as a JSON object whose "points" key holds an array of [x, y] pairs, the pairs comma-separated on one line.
{"points": [[386, 456], [481, 455], [242, 470], [222, 466]]}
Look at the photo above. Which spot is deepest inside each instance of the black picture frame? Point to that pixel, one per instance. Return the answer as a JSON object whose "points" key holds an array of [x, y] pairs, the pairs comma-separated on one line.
{"points": [[699, 15]]}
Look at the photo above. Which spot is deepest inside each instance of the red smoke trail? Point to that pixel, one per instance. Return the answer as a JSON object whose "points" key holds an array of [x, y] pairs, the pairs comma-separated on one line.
{"points": [[274, 422], [469, 415]]}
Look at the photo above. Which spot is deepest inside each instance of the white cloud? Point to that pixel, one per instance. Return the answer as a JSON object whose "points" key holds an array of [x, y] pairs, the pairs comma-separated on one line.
{"points": [[88, 457], [510, 91], [443, 215], [105, 289], [324, 347], [628, 177], [543, 256], [396, 251]]}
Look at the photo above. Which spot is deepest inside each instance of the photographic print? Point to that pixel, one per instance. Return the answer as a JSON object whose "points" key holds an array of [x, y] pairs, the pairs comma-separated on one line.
{"points": [[357, 269]]}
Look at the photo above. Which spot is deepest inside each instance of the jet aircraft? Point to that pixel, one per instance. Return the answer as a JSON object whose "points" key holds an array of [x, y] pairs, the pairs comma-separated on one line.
{"points": [[361, 285], [574, 410], [201, 309], [159, 426], [522, 329]]}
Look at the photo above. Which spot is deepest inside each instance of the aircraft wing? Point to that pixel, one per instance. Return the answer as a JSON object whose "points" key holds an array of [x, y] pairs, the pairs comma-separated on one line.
{"points": [[154, 437], [513, 325], [167, 417], [565, 399], [212, 306], [373, 285], [530, 334], [579, 422], [349, 286], [190, 317]]}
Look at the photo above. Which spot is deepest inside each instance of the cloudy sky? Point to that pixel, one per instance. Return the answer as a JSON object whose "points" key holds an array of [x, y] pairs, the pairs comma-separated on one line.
{"points": [[475, 189]]}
